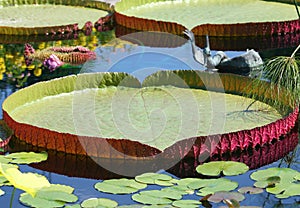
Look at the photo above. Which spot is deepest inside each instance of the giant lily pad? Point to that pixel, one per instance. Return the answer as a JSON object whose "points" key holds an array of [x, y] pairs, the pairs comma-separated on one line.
{"points": [[122, 119], [216, 18], [43, 18]]}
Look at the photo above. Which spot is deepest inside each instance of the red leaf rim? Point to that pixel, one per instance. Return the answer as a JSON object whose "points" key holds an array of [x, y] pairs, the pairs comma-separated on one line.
{"points": [[123, 148], [87, 167], [52, 30]]}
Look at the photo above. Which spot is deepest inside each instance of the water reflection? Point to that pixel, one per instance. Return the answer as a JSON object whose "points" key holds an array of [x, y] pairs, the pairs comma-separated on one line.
{"points": [[90, 167]]}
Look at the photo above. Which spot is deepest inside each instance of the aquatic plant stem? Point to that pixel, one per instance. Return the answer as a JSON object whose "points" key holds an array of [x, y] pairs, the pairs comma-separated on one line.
{"points": [[295, 51], [12, 198]]}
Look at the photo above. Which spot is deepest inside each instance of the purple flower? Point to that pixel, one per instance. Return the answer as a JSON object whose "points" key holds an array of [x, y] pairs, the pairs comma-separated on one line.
{"points": [[52, 62]]}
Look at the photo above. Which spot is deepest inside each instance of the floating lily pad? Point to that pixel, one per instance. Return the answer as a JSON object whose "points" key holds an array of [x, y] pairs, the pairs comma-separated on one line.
{"points": [[29, 182], [30, 201], [99, 203], [186, 203], [55, 195], [210, 186], [155, 178], [217, 18], [181, 189], [26, 157], [227, 167], [131, 120], [285, 190], [156, 197], [51, 18], [283, 182], [73, 206], [218, 197], [275, 175], [120, 186]]}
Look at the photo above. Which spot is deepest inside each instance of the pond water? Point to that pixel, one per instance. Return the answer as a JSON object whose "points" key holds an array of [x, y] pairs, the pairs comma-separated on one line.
{"points": [[139, 54]]}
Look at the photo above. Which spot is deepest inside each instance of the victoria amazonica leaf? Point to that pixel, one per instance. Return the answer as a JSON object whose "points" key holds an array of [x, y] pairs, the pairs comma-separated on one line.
{"points": [[47, 15], [197, 12], [155, 116]]}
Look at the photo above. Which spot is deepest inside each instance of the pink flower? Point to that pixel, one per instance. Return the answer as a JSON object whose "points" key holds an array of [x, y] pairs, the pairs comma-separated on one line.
{"points": [[52, 62]]}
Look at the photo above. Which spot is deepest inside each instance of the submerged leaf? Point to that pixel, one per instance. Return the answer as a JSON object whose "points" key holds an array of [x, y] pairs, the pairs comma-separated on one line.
{"points": [[225, 195], [250, 190], [29, 182], [120, 186], [99, 203], [215, 168]]}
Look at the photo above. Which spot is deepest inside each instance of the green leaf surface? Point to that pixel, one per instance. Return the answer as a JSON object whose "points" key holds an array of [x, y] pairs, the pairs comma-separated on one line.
{"points": [[272, 174], [229, 168], [186, 203], [199, 12], [155, 178], [149, 199], [56, 196], [155, 116], [30, 201], [99, 203], [48, 15], [210, 186], [27, 157], [285, 190], [73, 206], [120, 186]]}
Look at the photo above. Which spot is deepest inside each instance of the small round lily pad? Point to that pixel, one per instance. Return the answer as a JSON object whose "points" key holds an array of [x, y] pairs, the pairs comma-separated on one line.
{"points": [[186, 203], [120, 186], [229, 168], [155, 178], [99, 203]]}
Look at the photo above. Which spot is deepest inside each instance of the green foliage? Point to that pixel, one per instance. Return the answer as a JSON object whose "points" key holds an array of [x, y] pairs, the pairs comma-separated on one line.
{"points": [[229, 168], [283, 182], [99, 203], [155, 178], [26, 157], [283, 72], [186, 203], [120, 186]]}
